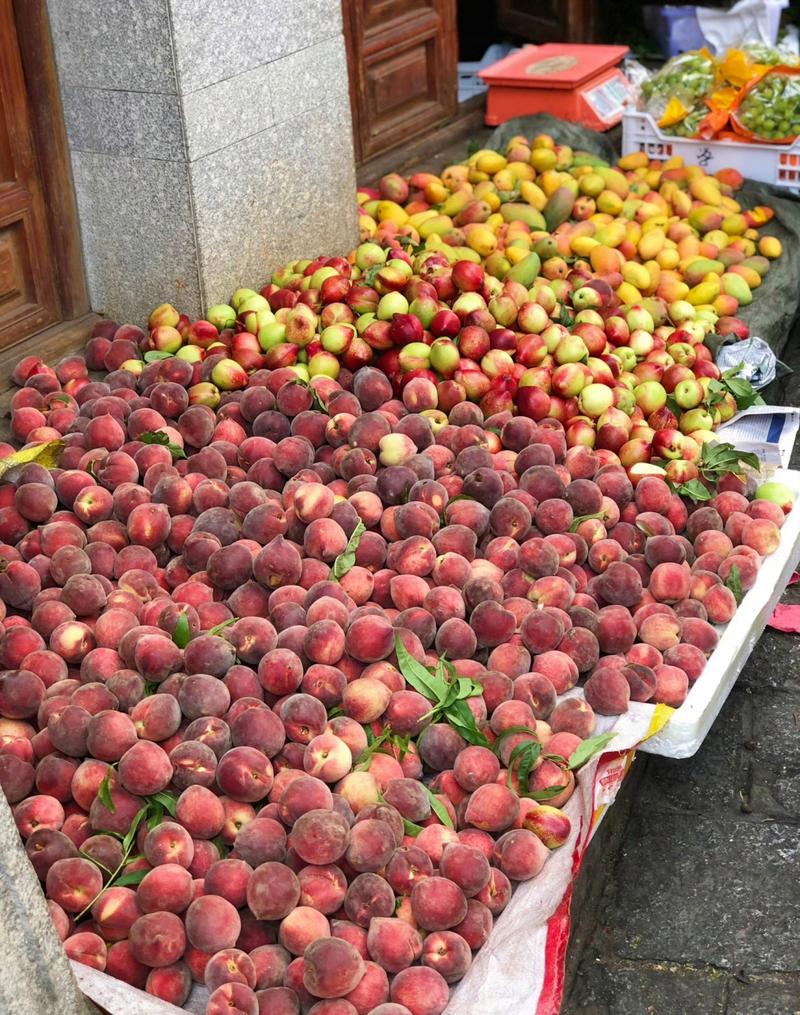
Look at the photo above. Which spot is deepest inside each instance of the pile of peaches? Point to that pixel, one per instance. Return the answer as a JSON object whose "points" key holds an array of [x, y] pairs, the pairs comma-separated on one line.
{"points": [[288, 691]]}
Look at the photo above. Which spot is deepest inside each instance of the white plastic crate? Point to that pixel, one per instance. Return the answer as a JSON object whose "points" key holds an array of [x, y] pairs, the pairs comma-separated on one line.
{"points": [[776, 164]]}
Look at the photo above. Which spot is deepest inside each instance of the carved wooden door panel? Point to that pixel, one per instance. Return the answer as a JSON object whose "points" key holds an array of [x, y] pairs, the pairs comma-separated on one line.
{"points": [[402, 60], [28, 299]]}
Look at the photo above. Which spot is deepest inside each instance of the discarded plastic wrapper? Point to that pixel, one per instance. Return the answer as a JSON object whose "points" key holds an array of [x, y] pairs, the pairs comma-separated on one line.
{"points": [[769, 431], [759, 363]]}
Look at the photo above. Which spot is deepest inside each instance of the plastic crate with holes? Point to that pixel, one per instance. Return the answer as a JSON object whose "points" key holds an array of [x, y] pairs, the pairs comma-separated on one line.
{"points": [[767, 163]]}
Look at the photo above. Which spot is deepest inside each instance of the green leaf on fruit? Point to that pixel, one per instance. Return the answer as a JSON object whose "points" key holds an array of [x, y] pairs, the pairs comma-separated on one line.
{"points": [[46, 455], [546, 794], [734, 583], [439, 808], [181, 635], [410, 828], [370, 274], [524, 756], [104, 792], [588, 749], [221, 627], [335, 712], [576, 522], [673, 406], [157, 437], [565, 318], [460, 715], [131, 878], [165, 800], [347, 557], [130, 835], [154, 355], [509, 733], [316, 401], [221, 845], [155, 817], [694, 490], [429, 686]]}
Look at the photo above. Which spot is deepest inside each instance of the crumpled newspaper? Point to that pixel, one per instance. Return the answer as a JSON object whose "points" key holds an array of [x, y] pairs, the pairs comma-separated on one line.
{"points": [[759, 364]]}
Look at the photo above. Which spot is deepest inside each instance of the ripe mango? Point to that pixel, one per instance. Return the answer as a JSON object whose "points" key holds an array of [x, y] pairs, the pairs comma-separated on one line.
{"points": [[615, 181], [497, 264], [592, 184], [543, 159], [546, 247], [734, 225], [758, 263], [437, 225], [532, 194], [473, 211], [732, 177], [770, 246], [526, 271], [454, 177], [706, 189], [730, 256], [520, 171], [488, 161], [636, 275], [698, 268], [652, 243], [668, 258], [705, 218], [604, 259], [629, 293], [611, 235], [583, 245], [558, 208], [457, 202], [524, 213], [609, 203], [481, 239], [750, 275], [725, 305], [502, 180], [736, 286], [705, 292]]}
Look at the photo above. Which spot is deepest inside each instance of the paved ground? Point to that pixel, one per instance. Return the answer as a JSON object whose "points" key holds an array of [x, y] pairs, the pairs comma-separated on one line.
{"points": [[700, 914]]}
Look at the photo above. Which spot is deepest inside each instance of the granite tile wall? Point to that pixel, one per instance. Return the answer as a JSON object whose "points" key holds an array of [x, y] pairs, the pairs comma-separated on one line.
{"points": [[211, 141]]}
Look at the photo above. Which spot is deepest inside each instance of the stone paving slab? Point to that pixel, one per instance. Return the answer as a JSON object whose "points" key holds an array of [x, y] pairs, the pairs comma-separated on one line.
{"points": [[761, 998]]}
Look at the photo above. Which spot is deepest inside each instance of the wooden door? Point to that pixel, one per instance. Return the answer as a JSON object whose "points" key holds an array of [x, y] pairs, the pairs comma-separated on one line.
{"points": [[548, 20], [28, 294], [402, 58]]}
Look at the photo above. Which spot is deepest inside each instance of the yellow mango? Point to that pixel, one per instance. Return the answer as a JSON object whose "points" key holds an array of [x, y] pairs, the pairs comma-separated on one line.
{"points": [[543, 159], [668, 258], [706, 189], [609, 202], [750, 275], [494, 221], [390, 211], [706, 292], [770, 246], [481, 239], [416, 220], [635, 160], [614, 181], [437, 225], [653, 178], [652, 242], [611, 235], [636, 275], [629, 293], [592, 184], [532, 194], [457, 202], [502, 180], [490, 162], [583, 245], [604, 259], [435, 192], [520, 171], [454, 177], [549, 181]]}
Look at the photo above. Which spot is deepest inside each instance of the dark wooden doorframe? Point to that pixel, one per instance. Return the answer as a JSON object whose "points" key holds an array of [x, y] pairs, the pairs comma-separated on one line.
{"points": [[52, 150], [43, 256]]}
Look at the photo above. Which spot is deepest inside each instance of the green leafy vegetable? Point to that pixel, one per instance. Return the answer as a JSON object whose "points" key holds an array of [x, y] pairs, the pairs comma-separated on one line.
{"points": [[347, 557]]}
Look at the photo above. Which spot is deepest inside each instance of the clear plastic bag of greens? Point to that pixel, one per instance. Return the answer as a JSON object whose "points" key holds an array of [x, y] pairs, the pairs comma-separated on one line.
{"points": [[769, 56], [690, 75], [768, 108]]}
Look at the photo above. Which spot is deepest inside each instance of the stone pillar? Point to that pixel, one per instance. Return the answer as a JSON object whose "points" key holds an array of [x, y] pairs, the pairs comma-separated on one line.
{"points": [[211, 142], [36, 975]]}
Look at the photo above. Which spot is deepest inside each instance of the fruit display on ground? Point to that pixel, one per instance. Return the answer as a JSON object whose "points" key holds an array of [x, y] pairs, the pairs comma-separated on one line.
{"points": [[289, 631]]}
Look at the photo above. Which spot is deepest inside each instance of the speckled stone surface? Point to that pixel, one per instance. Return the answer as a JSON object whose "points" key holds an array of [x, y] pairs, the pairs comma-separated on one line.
{"points": [[144, 125], [210, 143], [273, 197], [120, 44], [303, 80], [36, 974], [138, 234], [229, 111], [238, 35]]}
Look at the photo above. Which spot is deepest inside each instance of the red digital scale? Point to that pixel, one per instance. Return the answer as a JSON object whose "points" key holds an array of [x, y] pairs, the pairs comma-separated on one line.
{"points": [[583, 84]]}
